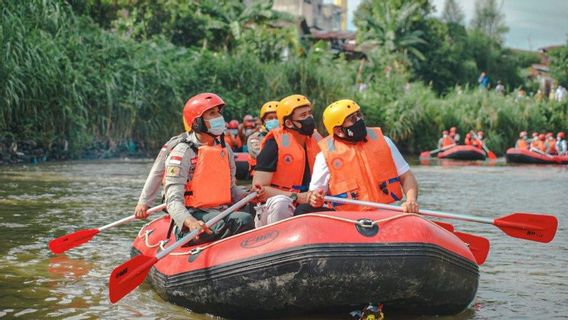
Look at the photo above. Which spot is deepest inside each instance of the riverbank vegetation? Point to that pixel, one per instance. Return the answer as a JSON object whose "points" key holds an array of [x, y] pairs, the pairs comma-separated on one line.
{"points": [[101, 78]]}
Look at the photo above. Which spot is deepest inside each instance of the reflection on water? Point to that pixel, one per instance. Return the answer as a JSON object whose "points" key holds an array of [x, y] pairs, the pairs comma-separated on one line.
{"points": [[520, 279]]}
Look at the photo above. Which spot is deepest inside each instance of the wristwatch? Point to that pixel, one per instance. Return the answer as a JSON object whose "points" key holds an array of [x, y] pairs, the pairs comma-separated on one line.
{"points": [[294, 197]]}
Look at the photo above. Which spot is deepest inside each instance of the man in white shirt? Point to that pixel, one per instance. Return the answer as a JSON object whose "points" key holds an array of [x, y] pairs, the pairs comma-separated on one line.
{"points": [[359, 163]]}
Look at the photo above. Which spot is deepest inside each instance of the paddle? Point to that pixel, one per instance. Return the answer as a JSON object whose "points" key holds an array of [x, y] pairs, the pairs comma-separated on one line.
{"points": [[529, 226], [490, 153], [479, 246], [426, 154], [129, 275], [75, 239]]}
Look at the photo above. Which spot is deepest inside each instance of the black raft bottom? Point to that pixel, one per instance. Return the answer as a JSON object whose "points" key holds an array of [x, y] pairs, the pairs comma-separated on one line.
{"points": [[412, 278]]}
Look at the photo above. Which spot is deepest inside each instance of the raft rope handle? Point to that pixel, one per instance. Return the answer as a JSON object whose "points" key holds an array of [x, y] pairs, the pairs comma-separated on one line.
{"points": [[361, 223]]}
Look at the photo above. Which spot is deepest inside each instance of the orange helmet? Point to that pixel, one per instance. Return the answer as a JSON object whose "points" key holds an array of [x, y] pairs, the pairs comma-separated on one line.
{"points": [[468, 135], [535, 134], [453, 129], [197, 105], [549, 134], [561, 135], [445, 132], [480, 133], [233, 124], [541, 136], [523, 134]]}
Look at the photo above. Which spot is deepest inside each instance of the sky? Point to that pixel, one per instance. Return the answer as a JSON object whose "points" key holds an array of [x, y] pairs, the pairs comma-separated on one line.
{"points": [[532, 23]]}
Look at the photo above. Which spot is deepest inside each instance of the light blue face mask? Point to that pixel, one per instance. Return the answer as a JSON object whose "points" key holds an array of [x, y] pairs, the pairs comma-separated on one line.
{"points": [[216, 126], [271, 124]]}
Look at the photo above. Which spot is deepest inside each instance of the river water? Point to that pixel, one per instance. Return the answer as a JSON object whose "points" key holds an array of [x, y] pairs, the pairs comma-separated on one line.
{"points": [[520, 280]]}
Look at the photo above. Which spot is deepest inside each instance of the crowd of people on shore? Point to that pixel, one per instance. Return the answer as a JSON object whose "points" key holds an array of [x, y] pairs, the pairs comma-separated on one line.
{"points": [[294, 167], [543, 143]]}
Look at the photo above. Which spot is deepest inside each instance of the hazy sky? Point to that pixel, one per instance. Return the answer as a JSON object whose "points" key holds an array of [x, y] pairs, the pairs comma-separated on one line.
{"points": [[532, 23]]}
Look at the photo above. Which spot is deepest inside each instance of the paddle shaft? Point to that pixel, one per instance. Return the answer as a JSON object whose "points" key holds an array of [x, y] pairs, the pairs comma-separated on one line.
{"points": [[443, 149], [481, 141], [431, 213], [132, 217], [209, 223]]}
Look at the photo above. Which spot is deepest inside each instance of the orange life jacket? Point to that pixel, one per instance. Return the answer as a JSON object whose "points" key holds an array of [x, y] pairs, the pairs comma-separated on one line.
{"points": [[551, 147], [477, 143], [447, 141], [291, 159], [467, 141], [210, 184], [362, 171], [233, 141], [521, 144], [538, 144]]}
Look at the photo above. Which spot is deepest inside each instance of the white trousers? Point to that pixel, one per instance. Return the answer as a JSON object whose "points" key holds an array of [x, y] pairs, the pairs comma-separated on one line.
{"points": [[276, 208]]}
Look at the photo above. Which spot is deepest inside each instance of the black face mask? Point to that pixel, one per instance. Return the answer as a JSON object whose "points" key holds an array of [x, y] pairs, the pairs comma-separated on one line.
{"points": [[308, 126], [355, 133]]}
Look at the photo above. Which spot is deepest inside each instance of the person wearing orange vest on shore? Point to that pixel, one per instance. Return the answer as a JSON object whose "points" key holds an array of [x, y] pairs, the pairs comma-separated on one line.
{"points": [[454, 135], [360, 163], [561, 146], [232, 138], [550, 144], [478, 141], [538, 145], [468, 141], [285, 162], [269, 122], [522, 142], [445, 140], [200, 174]]}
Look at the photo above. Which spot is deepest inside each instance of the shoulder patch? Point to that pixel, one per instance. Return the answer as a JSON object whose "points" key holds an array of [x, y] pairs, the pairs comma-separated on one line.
{"points": [[173, 171]]}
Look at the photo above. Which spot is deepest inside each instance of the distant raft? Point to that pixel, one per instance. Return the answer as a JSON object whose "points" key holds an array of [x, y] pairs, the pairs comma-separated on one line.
{"points": [[526, 156], [317, 263], [463, 153]]}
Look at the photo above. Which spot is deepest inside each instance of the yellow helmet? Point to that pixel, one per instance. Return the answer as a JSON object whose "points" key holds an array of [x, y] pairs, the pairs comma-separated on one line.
{"points": [[334, 115], [287, 105], [270, 106]]}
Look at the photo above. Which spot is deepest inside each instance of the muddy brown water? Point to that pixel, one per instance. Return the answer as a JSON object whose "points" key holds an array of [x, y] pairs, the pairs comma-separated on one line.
{"points": [[520, 280]]}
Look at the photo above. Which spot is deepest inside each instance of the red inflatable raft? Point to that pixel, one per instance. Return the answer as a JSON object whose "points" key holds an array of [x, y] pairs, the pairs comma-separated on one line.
{"points": [[526, 156], [462, 153], [317, 263]]}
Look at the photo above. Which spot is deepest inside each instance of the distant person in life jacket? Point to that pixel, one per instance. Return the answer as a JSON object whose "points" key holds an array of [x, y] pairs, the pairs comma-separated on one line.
{"points": [[285, 162], [455, 135], [445, 141], [538, 145], [550, 144], [200, 174], [247, 128], [561, 147], [468, 141], [232, 138], [269, 122], [478, 140], [360, 163], [523, 141]]}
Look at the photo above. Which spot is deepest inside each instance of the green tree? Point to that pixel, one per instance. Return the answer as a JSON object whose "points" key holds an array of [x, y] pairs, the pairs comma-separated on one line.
{"points": [[489, 19], [452, 13], [559, 64]]}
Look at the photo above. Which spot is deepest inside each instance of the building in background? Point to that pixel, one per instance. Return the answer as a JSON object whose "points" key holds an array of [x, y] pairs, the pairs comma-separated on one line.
{"points": [[318, 15]]}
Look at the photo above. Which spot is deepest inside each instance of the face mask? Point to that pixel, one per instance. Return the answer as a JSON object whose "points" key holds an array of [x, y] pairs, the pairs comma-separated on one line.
{"points": [[356, 132], [271, 124], [216, 126], [234, 132], [308, 126]]}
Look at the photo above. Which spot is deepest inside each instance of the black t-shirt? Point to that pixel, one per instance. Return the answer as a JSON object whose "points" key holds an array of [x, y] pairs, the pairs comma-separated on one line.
{"points": [[267, 160]]}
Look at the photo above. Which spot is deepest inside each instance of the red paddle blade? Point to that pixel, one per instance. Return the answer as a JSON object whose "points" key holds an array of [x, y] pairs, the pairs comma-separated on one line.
{"points": [[479, 246], [72, 240], [529, 226], [444, 225], [491, 155], [128, 276], [425, 154]]}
